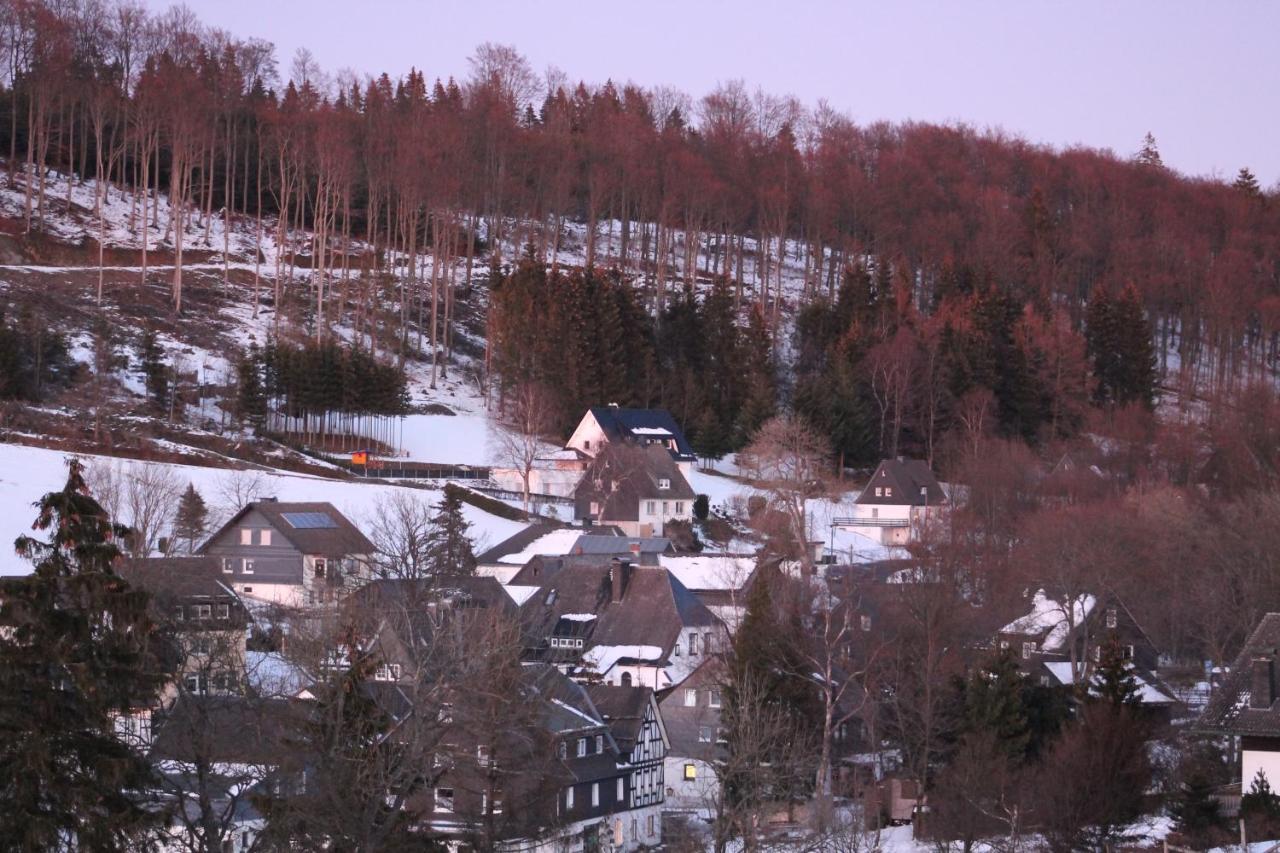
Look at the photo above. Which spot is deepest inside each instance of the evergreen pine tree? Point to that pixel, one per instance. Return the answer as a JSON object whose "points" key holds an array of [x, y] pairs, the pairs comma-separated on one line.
{"points": [[1149, 154], [251, 399], [1247, 183], [1195, 808], [449, 551], [755, 366], [1113, 678], [191, 519], [993, 703], [1102, 345], [79, 649], [1260, 801], [154, 371], [1135, 368]]}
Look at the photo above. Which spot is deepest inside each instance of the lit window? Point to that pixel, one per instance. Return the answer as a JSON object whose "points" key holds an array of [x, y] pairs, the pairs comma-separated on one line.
{"points": [[690, 772], [444, 799], [246, 536], [690, 697]]}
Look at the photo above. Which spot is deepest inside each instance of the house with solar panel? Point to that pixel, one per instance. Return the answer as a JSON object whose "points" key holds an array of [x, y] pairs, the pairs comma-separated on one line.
{"points": [[293, 554]]}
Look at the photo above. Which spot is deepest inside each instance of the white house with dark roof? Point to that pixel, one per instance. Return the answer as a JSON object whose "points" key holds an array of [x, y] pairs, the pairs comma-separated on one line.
{"points": [[636, 489], [900, 500], [604, 424], [293, 554]]}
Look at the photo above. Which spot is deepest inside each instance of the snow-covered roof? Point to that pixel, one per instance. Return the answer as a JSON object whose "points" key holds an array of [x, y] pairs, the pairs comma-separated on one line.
{"points": [[1049, 615], [1149, 693], [710, 571], [554, 544], [578, 617], [603, 658], [650, 431], [520, 594]]}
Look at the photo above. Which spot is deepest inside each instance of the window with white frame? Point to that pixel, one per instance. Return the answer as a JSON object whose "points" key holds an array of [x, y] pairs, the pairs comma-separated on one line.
{"points": [[679, 507], [203, 611], [247, 568], [224, 611], [228, 566], [246, 536], [582, 747], [595, 794], [714, 698], [690, 697], [444, 799], [599, 743], [704, 734], [664, 483], [1112, 619], [621, 792], [568, 797], [1028, 649], [693, 644], [879, 492], [651, 507], [264, 536]]}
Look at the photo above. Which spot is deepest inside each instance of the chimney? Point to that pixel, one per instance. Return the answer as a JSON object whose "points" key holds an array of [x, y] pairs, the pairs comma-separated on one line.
{"points": [[1263, 690], [619, 575]]}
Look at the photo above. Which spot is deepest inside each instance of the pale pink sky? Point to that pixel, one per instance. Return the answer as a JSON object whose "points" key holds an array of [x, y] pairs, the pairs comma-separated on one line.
{"points": [[1203, 77]]}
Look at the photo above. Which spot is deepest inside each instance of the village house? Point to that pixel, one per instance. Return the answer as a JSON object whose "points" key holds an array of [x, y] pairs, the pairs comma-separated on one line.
{"points": [[1246, 706], [1061, 646], [636, 489], [691, 712], [208, 620], [902, 498], [292, 554], [554, 473], [602, 425], [511, 556], [619, 623], [636, 724]]}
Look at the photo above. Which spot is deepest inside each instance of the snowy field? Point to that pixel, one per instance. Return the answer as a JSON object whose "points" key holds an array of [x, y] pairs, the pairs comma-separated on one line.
{"points": [[26, 473]]}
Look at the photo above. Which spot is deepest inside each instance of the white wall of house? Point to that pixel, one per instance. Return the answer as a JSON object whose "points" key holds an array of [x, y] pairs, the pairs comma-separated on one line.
{"points": [[1253, 760], [284, 594], [892, 524], [656, 511], [697, 793], [588, 436], [558, 481]]}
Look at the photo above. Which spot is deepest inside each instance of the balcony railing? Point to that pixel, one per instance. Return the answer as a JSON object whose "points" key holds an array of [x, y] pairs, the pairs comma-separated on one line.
{"points": [[870, 522]]}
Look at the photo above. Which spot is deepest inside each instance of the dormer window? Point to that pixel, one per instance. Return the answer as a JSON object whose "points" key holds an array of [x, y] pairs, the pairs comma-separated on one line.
{"points": [[664, 483]]}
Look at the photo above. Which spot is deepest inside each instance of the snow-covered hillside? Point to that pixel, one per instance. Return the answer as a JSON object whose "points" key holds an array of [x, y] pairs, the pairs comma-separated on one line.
{"points": [[26, 473]]}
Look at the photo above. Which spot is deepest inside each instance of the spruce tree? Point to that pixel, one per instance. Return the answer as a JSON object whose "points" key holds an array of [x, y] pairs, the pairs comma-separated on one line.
{"points": [[80, 649], [191, 519], [1135, 367], [1247, 183], [154, 371], [449, 551], [1114, 679], [993, 703], [1149, 154], [755, 366], [1260, 801], [251, 399], [1102, 345]]}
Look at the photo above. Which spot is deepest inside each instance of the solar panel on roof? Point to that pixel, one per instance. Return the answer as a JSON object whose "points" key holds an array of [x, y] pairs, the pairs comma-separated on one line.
{"points": [[309, 520]]}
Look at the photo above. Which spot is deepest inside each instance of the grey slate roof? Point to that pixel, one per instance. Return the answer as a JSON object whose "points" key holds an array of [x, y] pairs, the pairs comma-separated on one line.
{"points": [[906, 477], [620, 422], [622, 476], [341, 540], [1230, 710], [623, 708]]}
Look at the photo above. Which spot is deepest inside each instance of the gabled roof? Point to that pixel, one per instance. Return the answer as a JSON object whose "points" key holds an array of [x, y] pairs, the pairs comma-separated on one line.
{"points": [[536, 539], [655, 606], [906, 477], [624, 709], [1231, 709], [177, 577], [1048, 620], [298, 524], [643, 425], [229, 729], [622, 476]]}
